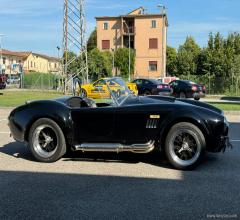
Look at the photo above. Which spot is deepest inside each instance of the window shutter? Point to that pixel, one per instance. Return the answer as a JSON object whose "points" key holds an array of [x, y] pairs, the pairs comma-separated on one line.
{"points": [[153, 43], [106, 44], [152, 62]]}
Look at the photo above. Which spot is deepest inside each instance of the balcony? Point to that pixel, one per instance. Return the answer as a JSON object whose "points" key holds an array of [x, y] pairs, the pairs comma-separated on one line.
{"points": [[131, 30]]}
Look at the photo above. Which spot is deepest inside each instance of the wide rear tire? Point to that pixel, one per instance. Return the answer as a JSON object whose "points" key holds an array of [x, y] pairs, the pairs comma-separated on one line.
{"points": [[46, 141], [185, 146]]}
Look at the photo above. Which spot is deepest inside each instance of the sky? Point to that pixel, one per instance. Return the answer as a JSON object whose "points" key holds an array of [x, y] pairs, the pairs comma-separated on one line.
{"points": [[36, 25]]}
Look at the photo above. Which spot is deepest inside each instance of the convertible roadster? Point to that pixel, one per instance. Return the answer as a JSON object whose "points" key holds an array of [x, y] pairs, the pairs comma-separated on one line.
{"points": [[183, 129]]}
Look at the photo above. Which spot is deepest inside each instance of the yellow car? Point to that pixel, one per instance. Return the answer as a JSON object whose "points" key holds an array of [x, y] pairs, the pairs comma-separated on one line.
{"points": [[99, 89]]}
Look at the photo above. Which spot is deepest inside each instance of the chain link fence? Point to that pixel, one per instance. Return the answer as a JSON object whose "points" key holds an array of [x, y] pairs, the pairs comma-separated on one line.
{"points": [[41, 81], [214, 85]]}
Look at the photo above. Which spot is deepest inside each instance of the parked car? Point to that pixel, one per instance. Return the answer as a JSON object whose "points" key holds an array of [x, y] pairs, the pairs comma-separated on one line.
{"points": [[3, 80], [152, 87], [187, 89], [99, 89], [167, 79], [2, 85], [183, 129], [13, 79]]}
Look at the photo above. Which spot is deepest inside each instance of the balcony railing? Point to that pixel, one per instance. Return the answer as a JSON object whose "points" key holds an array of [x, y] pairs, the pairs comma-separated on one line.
{"points": [[131, 30]]}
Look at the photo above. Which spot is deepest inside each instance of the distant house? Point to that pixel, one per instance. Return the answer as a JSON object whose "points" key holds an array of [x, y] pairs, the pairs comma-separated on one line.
{"points": [[148, 37], [14, 62]]}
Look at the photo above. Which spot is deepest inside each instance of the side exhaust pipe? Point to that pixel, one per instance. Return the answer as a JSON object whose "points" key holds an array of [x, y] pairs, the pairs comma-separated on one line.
{"points": [[113, 147]]}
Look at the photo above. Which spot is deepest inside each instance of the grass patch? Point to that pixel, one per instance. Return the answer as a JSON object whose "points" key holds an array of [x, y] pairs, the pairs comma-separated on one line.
{"points": [[16, 98], [227, 106]]}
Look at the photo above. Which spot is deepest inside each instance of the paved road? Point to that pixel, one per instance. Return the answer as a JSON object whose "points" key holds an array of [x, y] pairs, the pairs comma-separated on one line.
{"points": [[109, 186]]}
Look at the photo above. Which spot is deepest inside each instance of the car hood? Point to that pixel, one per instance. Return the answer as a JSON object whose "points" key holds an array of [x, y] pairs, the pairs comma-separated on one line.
{"points": [[184, 102]]}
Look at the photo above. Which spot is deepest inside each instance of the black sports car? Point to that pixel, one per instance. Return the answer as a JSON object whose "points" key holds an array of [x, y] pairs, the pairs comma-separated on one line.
{"points": [[187, 89], [183, 129], [152, 87]]}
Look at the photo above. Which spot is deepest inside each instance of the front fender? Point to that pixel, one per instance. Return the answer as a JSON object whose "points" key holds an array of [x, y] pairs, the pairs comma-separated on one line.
{"points": [[182, 116]]}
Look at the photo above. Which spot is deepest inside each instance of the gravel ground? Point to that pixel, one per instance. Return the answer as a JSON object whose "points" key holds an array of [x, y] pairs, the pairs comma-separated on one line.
{"points": [[110, 186]]}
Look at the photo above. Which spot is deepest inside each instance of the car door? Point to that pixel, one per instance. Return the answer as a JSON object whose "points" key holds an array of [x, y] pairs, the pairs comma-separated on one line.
{"points": [[139, 83], [175, 88], [99, 90], [93, 125]]}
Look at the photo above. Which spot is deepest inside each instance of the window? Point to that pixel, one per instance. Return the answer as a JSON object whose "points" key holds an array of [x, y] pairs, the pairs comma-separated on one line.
{"points": [[4, 60], [99, 83], [105, 26], [174, 83], [153, 43], [152, 65], [138, 82], [154, 24], [106, 44], [31, 64]]}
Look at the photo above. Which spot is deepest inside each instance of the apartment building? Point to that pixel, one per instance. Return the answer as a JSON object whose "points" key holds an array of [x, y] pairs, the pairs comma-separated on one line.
{"points": [[148, 37], [15, 62]]}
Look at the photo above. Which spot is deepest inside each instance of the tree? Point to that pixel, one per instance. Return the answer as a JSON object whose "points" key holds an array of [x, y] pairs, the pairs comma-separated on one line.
{"points": [[171, 61], [122, 61], [99, 64], [107, 62], [187, 59], [73, 66], [92, 40]]}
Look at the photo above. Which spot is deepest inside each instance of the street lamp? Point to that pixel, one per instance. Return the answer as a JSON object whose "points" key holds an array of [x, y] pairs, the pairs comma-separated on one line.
{"points": [[58, 48], [129, 52], [163, 11]]}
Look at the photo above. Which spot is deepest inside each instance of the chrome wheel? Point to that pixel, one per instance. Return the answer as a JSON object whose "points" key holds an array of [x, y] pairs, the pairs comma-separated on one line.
{"points": [[45, 141], [185, 147]]}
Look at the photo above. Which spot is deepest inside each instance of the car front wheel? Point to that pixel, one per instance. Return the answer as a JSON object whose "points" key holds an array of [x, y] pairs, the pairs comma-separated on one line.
{"points": [[185, 145], [46, 141]]}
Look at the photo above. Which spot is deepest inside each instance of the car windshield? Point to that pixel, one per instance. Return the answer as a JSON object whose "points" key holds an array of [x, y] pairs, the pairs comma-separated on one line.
{"points": [[118, 90]]}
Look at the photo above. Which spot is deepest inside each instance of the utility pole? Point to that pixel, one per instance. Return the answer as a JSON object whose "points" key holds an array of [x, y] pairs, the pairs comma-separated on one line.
{"points": [[163, 12], [113, 62], [129, 52], [74, 40]]}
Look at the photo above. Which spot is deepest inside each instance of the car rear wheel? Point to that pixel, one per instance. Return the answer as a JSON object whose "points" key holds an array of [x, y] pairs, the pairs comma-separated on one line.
{"points": [[185, 146], [182, 95], [46, 141]]}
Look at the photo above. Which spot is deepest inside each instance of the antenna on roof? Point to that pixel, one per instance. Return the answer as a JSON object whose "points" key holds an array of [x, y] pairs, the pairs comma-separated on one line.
{"points": [[144, 10]]}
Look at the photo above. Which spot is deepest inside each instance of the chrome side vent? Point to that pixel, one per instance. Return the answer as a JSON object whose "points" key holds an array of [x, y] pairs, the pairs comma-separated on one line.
{"points": [[152, 123]]}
